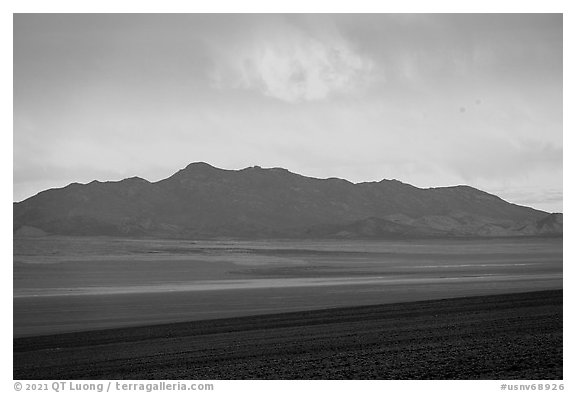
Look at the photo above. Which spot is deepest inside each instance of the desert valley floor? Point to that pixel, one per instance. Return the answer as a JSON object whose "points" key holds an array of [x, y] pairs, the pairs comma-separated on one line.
{"points": [[71, 292]]}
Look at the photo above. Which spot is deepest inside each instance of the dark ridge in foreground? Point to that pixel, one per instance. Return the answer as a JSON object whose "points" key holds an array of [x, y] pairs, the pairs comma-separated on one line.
{"points": [[513, 336]]}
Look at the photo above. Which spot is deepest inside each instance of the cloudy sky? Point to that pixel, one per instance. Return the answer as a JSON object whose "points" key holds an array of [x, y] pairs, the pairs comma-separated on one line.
{"points": [[429, 99]]}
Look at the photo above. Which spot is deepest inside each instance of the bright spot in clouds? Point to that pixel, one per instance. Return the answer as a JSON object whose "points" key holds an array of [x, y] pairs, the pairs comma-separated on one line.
{"points": [[293, 65]]}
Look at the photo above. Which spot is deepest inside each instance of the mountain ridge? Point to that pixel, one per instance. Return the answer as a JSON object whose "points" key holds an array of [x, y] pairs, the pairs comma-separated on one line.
{"points": [[203, 201]]}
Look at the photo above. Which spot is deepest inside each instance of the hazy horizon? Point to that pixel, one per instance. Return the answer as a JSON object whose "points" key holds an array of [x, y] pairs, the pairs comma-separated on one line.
{"points": [[429, 99]]}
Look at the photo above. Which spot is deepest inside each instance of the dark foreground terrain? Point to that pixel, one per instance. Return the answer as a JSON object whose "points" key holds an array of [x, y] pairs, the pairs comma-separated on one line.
{"points": [[513, 336]]}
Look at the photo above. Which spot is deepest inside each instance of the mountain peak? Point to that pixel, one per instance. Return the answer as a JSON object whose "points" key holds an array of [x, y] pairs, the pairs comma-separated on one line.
{"points": [[198, 168], [259, 169], [199, 165], [202, 201], [135, 179]]}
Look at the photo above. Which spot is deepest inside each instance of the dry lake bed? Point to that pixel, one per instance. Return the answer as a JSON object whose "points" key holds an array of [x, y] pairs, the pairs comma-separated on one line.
{"points": [[80, 287]]}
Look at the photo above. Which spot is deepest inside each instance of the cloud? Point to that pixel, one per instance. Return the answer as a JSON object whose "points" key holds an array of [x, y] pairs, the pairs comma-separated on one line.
{"points": [[292, 64]]}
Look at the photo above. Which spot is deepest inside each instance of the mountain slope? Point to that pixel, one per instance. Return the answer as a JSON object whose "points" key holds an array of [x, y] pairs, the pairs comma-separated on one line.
{"points": [[204, 201]]}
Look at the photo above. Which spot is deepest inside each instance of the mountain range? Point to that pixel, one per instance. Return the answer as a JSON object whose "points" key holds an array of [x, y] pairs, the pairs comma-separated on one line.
{"points": [[201, 201]]}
